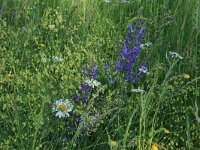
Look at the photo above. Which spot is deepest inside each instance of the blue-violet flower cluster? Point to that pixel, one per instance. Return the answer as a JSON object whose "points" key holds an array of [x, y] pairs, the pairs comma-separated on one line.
{"points": [[129, 54]]}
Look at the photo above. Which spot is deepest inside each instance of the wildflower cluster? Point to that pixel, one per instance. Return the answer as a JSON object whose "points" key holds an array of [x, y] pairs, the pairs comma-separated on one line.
{"points": [[125, 66], [87, 86], [74, 110], [129, 54]]}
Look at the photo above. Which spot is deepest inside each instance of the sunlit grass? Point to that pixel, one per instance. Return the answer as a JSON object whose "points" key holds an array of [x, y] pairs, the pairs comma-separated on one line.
{"points": [[45, 44]]}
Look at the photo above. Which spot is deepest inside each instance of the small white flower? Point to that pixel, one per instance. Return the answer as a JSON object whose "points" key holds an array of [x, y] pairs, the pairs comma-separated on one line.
{"points": [[137, 90], [143, 69], [57, 59], [146, 44], [174, 54], [93, 83], [107, 1], [62, 108], [89, 120], [51, 26]]}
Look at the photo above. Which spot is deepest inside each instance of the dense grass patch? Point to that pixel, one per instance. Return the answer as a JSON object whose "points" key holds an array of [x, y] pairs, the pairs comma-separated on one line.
{"points": [[114, 63]]}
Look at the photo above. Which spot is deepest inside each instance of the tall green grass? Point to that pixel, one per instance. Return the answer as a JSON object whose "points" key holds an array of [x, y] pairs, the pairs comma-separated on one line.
{"points": [[92, 32]]}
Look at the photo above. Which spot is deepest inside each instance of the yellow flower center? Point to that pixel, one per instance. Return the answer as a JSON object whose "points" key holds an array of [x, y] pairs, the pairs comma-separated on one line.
{"points": [[88, 119], [63, 108]]}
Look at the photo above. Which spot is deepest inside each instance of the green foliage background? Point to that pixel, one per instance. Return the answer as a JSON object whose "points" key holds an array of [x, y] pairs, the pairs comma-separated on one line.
{"points": [[90, 32]]}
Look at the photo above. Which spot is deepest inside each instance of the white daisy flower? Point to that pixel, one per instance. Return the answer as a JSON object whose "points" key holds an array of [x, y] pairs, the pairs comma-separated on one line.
{"points": [[93, 83], [143, 69], [89, 120], [62, 108], [57, 59], [174, 54], [137, 90]]}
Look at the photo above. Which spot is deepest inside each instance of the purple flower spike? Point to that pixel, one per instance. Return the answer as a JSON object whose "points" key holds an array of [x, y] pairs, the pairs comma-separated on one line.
{"points": [[84, 99], [118, 67], [75, 98], [84, 70], [85, 88], [130, 29], [142, 31], [106, 66], [136, 51], [94, 73], [129, 53], [126, 42]]}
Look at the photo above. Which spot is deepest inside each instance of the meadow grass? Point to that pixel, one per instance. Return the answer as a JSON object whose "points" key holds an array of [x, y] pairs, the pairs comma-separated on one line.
{"points": [[45, 44]]}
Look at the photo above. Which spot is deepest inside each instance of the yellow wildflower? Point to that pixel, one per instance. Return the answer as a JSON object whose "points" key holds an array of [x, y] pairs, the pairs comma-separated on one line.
{"points": [[9, 74], [186, 76], [113, 143], [42, 45], [154, 147], [166, 131]]}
